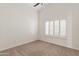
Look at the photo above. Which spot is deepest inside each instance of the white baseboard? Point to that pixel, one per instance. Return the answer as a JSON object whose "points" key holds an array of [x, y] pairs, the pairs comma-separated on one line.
{"points": [[13, 46], [60, 45]]}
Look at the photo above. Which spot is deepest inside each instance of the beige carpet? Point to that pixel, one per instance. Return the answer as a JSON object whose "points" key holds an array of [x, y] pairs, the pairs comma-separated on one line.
{"points": [[40, 48]]}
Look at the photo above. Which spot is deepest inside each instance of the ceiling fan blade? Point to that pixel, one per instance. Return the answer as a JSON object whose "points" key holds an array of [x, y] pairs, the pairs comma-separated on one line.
{"points": [[36, 4]]}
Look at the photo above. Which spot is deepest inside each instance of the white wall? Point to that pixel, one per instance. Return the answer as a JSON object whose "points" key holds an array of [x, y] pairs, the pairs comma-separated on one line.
{"points": [[18, 25], [70, 12], [75, 27]]}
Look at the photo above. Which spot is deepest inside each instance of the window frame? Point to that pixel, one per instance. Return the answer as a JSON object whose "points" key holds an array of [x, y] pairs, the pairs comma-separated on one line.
{"points": [[54, 36]]}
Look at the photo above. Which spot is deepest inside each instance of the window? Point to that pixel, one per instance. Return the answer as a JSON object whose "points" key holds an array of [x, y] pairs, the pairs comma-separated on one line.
{"points": [[62, 28], [51, 28], [55, 28], [47, 28]]}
